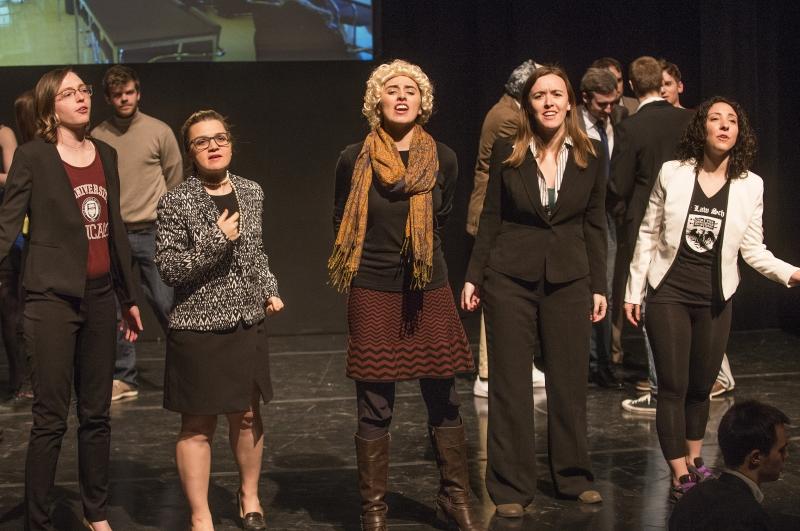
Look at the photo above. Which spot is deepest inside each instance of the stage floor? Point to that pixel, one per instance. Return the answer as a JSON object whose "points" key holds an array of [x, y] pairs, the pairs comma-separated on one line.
{"points": [[309, 478]]}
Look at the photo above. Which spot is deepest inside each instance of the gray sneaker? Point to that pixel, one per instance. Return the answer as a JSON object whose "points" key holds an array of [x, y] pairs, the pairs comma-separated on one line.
{"points": [[644, 404]]}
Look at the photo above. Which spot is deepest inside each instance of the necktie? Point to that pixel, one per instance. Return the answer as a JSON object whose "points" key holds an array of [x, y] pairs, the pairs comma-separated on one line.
{"points": [[601, 130]]}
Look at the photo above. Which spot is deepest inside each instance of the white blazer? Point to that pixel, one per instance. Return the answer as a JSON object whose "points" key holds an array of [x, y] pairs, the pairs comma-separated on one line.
{"points": [[662, 228]]}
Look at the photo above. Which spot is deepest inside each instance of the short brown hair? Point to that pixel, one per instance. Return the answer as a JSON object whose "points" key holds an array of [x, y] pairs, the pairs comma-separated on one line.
{"points": [[607, 62], [645, 75], [117, 76], [44, 97], [671, 69], [598, 81], [25, 113], [199, 116]]}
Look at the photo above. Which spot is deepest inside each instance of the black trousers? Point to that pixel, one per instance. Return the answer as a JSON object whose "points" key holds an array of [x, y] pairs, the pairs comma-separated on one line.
{"points": [[71, 341], [518, 313], [11, 322], [376, 405], [688, 343]]}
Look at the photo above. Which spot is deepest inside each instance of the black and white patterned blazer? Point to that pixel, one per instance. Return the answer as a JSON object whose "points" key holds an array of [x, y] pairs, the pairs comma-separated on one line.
{"points": [[217, 282]]}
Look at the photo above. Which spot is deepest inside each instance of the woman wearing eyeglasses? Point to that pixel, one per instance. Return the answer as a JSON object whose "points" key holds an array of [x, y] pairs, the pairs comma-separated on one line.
{"points": [[78, 259], [209, 249]]}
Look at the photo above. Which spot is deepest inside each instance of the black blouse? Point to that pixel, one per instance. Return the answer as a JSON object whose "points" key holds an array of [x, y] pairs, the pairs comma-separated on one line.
{"points": [[382, 267]]}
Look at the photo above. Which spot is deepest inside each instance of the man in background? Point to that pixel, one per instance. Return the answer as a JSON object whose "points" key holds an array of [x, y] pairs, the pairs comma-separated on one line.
{"points": [[149, 163]]}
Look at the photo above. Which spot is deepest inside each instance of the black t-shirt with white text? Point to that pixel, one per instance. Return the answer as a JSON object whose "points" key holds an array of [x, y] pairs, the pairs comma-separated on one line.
{"points": [[694, 277]]}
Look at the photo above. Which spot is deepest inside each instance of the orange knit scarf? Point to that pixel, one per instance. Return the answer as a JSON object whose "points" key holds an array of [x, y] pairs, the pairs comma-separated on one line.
{"points": [[379, 157]]}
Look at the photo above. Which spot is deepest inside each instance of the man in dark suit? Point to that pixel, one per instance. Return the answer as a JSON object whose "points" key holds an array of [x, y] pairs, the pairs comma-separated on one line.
{"points": [[626, 106], [596, 117], [752, 439], [644, 142]]}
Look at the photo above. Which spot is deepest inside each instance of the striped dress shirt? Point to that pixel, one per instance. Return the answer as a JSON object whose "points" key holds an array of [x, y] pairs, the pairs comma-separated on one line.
{"points": [[561, 164]]}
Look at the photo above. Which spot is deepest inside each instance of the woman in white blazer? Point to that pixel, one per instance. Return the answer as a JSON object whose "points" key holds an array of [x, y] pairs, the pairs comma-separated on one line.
{"points": [[704, 209]]}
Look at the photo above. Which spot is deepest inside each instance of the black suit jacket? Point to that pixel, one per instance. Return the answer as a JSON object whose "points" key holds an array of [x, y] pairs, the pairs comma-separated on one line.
{"points": [[724, 504], [516, 237], [38, 185], [643, 142]]}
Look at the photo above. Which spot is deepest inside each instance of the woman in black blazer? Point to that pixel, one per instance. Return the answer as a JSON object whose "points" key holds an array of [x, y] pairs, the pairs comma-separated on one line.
{"points": [[78, 259], [539, 267]]}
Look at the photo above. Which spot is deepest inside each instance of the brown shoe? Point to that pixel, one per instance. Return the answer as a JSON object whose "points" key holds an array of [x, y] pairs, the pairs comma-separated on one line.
{"points": [[373, 476], [452, 503]]}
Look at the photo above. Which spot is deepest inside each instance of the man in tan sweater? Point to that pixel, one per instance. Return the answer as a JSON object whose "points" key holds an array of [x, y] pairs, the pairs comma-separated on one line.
{"points": [[149, 163]]}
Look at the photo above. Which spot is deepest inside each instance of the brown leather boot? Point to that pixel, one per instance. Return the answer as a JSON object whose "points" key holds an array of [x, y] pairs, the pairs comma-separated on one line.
{"points": [[453, 503], [373, 475]]}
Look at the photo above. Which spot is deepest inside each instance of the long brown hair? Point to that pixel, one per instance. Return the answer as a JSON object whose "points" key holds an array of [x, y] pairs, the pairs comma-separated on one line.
{"points": [[44, 97], [25, 113], [581, 145]]}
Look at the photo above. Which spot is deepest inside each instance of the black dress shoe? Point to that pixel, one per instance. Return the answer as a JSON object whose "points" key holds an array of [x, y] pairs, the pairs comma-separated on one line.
{"points": [[606, 379], [251, 521], [254, 522]]}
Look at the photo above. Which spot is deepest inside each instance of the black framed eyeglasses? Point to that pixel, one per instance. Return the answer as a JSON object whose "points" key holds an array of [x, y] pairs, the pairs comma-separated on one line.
{"points": [[202, 143], [85, 90]]}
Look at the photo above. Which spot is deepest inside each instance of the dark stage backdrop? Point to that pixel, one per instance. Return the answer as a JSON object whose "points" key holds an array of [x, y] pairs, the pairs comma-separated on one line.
{"points": [[292, 119]]}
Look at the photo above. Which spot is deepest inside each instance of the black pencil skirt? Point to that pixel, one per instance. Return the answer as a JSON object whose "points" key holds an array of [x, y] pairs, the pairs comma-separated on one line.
{"points": [[209, 373]]}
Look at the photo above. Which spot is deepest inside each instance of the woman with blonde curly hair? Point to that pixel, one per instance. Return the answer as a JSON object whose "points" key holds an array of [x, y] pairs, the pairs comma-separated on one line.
{"points": [[394, 192], [705, 209]]}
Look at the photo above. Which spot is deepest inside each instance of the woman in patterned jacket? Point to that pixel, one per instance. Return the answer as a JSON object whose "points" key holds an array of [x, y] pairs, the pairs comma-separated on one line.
{"points": [[209, 248], [394, 192]]}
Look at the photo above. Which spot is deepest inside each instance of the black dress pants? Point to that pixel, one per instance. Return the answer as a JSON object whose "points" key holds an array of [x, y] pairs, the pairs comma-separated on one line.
{"points": [[71, 341], [518, 313], [11, 321]]}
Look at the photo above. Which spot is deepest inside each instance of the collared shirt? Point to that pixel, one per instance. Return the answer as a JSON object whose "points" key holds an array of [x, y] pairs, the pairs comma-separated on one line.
{"points": [[592, 129], [549, 197], [647, 100], [754, 488]]}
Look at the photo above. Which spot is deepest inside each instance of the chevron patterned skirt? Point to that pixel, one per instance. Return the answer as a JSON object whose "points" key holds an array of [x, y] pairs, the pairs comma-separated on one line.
{"points": [[405, 335]]}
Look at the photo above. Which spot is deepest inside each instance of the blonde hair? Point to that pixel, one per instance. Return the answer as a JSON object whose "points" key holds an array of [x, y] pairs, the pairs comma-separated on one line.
{"points": [[385, 72], [582, 147]]}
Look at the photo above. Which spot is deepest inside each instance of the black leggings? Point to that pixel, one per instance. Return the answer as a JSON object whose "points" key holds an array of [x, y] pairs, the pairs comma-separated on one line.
{"points": [[688, 343], [376, 405]]}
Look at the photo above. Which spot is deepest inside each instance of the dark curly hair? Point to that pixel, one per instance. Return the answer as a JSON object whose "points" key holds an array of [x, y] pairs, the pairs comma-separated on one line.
{"points": [[693, 143]]}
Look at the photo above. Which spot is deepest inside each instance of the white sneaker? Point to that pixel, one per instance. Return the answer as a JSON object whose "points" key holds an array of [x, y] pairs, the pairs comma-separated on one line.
{"points": [[645, 404], [481, 388], [537, 378]]}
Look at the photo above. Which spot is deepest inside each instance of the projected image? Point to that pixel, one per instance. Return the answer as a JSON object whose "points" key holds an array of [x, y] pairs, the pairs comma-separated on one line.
{"points": [[49, 32]]}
